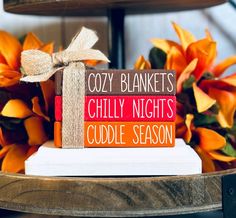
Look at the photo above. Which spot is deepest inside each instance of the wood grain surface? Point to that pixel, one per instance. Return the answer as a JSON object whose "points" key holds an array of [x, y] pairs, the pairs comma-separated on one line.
{"points": [[99, 7], [126, 197]]}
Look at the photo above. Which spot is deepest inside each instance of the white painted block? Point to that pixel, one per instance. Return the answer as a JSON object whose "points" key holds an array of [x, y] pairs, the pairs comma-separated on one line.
{"points": [[51, 161]]}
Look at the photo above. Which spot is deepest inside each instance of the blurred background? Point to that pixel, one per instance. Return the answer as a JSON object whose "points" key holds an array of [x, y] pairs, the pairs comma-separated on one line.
{"points": [[139, 29]]}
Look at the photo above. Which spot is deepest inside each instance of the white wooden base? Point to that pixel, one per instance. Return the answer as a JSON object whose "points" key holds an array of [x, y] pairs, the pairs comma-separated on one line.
{"points": [[51, 161]]}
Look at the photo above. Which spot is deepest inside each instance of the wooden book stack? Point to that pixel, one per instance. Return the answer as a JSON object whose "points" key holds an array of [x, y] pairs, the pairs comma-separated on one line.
{"points": [[125, 108], [129, 129]]}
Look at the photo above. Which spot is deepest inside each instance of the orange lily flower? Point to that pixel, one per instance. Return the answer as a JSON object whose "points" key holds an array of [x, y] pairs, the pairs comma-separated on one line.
{"points": [[206, 104], [179, 56], [142, 64], [31, 105]]}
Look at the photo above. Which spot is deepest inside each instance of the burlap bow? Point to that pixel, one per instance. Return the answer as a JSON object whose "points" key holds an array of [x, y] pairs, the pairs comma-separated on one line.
{"points": [[39, 66]]}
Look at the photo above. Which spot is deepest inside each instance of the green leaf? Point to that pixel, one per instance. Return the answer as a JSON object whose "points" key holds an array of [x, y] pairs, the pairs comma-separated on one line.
{"points": [[157, 58], [22, 39], [203, 120], [4, 97], [208, 75], [215, 109], [10, 123], [189, 82], [229, 150]]}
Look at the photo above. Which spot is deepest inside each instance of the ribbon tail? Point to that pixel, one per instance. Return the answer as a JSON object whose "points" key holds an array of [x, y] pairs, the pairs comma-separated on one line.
{"points": [[38, 78], [81, 55], [85, 39], [73, 106]]}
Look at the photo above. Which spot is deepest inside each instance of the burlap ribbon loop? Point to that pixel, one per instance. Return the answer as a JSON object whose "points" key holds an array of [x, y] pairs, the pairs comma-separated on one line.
{"points": [[39, 66]]}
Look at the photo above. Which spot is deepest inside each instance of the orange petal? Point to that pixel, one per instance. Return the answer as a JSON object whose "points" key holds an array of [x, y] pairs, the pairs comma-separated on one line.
{"points": [[186, 74], [180, 131], [185, 36], [166, 45], [210, 140], [5, 82], [203, 101], [2, 139], [208, 35], [231, 80], [207, 163], [188, 122], [179, 120], [10, 49], [142, 64], [220, 68], [4, 151], [175, 61], [217, 156], [205, 51], [8, 77], [37, 109], [48, 91], [32, 150], [48, 48], [16, 108], [92, 63], [31, 42], [227, 104], [35, 130], [15, 158], [2, 59], [180, 126]]}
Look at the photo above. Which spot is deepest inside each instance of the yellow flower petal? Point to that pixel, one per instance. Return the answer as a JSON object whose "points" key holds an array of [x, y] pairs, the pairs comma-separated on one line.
{"points": [[231, 80], [205, 51], [210, 140], [207, 163], [35, 130], [220, 68], [16, 108], [165, 45], [10, 49], [32, 42], [203, 101], [217, 156], [227, 104], [175, 61], [142, 64], [37, 109], [185, 36], [188, 122], [15, 158], [186, 74]]}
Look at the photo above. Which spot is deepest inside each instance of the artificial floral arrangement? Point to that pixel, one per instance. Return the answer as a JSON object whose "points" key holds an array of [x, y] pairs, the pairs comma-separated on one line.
{"points": [[25, 109], [206, 101]]}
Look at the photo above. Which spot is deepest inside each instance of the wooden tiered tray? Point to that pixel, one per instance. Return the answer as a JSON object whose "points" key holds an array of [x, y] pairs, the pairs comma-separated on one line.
{"points": [[99, 7], [123, 197]]}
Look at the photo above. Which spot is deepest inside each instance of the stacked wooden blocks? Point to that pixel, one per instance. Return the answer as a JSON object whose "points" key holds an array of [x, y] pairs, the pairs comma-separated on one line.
{"points": [[124, 108]]}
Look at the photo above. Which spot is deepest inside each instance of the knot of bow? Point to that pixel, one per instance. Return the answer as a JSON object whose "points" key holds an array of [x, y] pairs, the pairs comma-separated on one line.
{"points": [[39, 66]]}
